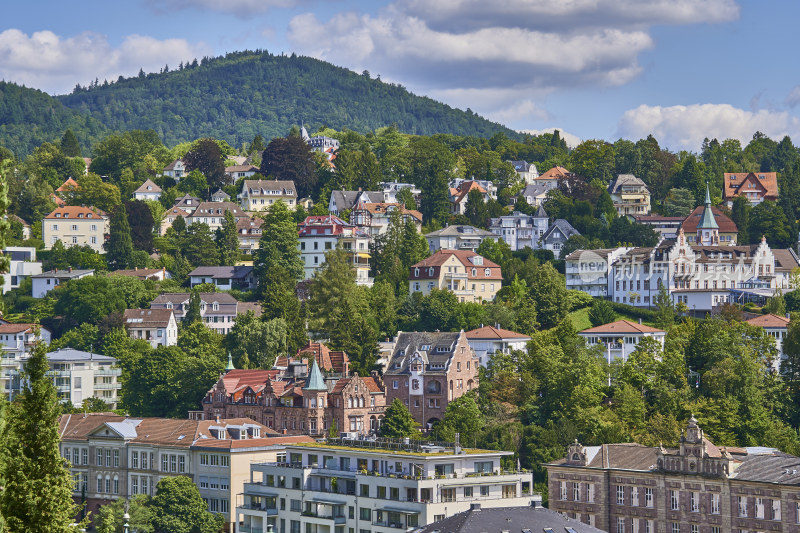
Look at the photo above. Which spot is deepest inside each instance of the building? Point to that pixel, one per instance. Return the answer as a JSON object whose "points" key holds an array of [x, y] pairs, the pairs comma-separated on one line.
{"points": [[170, 215], [213, 214], [618, 339], [428, 370], [479, 519], [696, 487], [114, 457], [755, 186], [458, 237], [519, 230], [157, 326], [374, 219], [552, 177], [667, 227], [187, 202], [534, 194], [470, 276], [527, 172], [259, 195], [342, 201], [47, 281], [392, 188], [629, 195], [236, 172], [459, 193], [310, 393], [556, 236], [175, 170], [380, 486], [78, 375], [75, 226], [16, 342], [147, 191], [64, 191], [218, 309], [224, 278], [22, 264], [321, 234], [777, 327], [489, 340], [319, 143], [726, 228], [220, 196], [248, 231], [155, 274], [588, 270], [25, 229]]}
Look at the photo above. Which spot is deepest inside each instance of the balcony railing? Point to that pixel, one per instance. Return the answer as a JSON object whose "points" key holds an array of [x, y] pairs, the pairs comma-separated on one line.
{"points": [[107, 386]]}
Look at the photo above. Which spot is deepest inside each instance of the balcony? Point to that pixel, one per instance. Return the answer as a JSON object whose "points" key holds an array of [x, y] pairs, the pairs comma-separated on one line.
{"points": [[108, 372], [107, 386]]}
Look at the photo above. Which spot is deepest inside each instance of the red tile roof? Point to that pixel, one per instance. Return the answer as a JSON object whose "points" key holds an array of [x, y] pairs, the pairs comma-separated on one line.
{"points": [[440, 257], [14, 328], [555, 173], [491, 332], [239, 377], [726, 225], [623, 326], [464, 189], [737, 183], [326, 359], [770, 321], [75, 212], [69, 185]]}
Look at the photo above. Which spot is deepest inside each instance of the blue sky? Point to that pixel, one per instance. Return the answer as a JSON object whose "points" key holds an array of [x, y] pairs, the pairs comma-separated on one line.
{"points": [[680, 69]]}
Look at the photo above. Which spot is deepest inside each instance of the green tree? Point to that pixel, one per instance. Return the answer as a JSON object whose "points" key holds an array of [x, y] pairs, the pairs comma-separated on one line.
{"points": [[178, 507], [549, 291], [140, 220], [432, 165], [228, 240], [279, 244], [69, 145], [280, 302], [259, 342], [593, 159], [257, 145], [110, 516], [601, 313], [740, 214], [462, 416], [120, 244], [194, 183], [665, 308], [679, 203], [197, 245], [476, 211], [768, 220], [291, 158], [37, 484], [207, 157], [398, 422], [406, 198], [193, 311]]}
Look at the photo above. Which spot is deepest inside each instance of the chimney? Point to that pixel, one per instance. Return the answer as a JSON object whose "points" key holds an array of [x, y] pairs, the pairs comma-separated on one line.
{"points": [[217, 419], [640, 321], [69, 269]]}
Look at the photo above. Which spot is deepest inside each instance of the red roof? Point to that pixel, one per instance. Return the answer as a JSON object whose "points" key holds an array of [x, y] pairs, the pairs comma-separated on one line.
{"points": [[770, 320], [726, 225], [253, 378], [763, 183], [14, 328], [554, 174], [76, 212], [623, 326], [464, 188], [326, 359], [491, 332], [69, 185], [440, 257]]}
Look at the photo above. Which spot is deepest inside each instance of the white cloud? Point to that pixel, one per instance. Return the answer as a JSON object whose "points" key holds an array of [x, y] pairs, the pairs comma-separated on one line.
{"points": [[571, 140], [240, 8], [513, 51], [685, 127], [793, 98], [54, 64]]}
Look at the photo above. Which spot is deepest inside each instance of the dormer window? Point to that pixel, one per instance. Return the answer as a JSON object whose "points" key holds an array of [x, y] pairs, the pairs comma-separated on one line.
{"points": [[487, 272], [430, 271], [416, 272], [169, 305], [474, 272]]}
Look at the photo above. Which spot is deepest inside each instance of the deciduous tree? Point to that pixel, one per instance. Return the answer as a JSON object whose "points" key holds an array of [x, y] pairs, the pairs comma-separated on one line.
{"points": [[398, 422]]}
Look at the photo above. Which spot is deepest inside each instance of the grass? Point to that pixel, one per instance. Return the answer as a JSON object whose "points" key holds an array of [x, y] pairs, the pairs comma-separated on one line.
{"points": [[580, 319]]}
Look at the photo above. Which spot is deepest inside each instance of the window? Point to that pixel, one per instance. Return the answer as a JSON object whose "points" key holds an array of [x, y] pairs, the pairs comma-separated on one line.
{"points": [[116, 458], [759, 508], [99, 457], [134, 485], [591, 493], [485, 490], [620, 495], [694, 502], [715, 504], [635, 496], [365, 513], [164, 463], [742, 501], [620, 525], [695, 528], [99, 483], [776, 510], [85, 454], [294, 505], [134, 459], [562, 490], [676, 527], [673, 500], [576, 492], [468, 492], [173, 463], [181, 464]]}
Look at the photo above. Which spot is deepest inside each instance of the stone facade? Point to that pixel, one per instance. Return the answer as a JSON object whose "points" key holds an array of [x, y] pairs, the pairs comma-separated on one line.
{"points": [[695, 488]]}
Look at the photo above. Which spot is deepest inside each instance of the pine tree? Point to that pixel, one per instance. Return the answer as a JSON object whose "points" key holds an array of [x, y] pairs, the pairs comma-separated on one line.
{"points": [[228, 241], [193, 311], [37, 484], [69, 145], [120, 244], [279, 244], [601, 313], [398, 422]]}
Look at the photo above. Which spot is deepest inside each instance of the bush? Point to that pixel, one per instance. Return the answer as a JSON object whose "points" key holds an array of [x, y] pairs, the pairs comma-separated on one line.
{"points": [[636, 312]]}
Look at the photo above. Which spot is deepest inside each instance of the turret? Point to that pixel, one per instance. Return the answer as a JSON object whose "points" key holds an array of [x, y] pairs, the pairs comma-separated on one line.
{"points": [[708, 229]]}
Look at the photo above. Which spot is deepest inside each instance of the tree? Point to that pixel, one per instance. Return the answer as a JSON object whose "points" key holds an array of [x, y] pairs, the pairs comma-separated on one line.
{"points": [[431, 168], [128, 150], [178, 507], [119, 249], [257, 145], [92, 190], [476, 210], [92, 298], [290, 158], [601, 313], [69, 145], [549, 291], [406, 198], [280, 302], [259, 342], [228, 240], [679, 203], [194, 183], [37, 484], [193, 311], [462, 416], [207, 157], [198, 246], [398, 422], [740, 214], [279, 244], [110, 516], [665, 309], [4, 224], [768, 220], [140, 220]]}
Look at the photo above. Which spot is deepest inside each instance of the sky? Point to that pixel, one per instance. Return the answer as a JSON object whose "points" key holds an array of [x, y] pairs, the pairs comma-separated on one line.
{"points": [[682, 70]]}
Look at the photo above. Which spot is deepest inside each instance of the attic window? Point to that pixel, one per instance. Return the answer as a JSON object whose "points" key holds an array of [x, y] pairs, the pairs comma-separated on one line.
{"points": [[762, 176], [425, 347]]}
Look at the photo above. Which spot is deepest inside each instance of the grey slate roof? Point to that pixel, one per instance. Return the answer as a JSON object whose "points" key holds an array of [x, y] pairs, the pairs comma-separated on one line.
{"points": [[347, 199], [440, 348], [512, 519], [534, 189], [63, 274], [222, 272], [460, 230], [770, 467], [541, 213], [563, 226], [70, 354], [625, 179]]}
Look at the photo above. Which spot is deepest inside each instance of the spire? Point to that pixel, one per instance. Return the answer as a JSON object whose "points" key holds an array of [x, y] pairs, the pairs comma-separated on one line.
{"points": [[229, 366], [315, 380], [707, 221]]}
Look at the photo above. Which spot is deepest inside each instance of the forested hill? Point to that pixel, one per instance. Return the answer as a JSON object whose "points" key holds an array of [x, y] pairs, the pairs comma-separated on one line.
{"points": [[29, 117], [243, 94]]}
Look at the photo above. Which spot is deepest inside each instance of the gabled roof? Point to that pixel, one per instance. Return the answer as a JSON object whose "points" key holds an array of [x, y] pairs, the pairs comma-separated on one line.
{"points": [[555, 173], [561, 225], [328, 360], [621, 327], [207, 209], [465, 257], [148, 186], [493, 333], [765, 183], [439, 347], [220, 194], [241, 168], [172, 165], [383, 207], [522, 166], [770, 320], [464, 188], [69, 185], [223, 272], [625, 180], [76, 212], [461, 231], [283, 187], [725, 224], [534, 189], [147, 318], [10, 329]]}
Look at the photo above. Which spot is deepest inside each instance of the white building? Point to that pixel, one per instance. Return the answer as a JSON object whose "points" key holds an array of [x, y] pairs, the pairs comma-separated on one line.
{"points": [[259, 195], [380, 486], [16, 342], [148, 191], [175, 170], [374, 219], [526, 171], [391, 188], [78, 375], [341, 201], [489, 340], [213, 214], [458, 238], [75, 226], [519, 230], [156, 326], [630, 195], [224, 278], [460, 189], [47, 281], [587, 270], [217, 309], [22, 264], [236, 172], [777, 327], [618, 339], [321, 234]]}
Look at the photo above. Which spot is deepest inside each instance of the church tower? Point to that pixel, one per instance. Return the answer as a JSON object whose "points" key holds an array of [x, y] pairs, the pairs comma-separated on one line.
{"points": [[707, 229]]}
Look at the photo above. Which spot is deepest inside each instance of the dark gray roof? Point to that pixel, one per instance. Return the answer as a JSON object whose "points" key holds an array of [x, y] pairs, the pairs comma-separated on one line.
{"points": [[347, 199], [534, 189], [460, 230], [183, 297], [625, 179], [70, 354], [513, 519], [223, 272], [440, 346], [563, 226], [522, 166], [770, 467], [63, 274], [541, 213]]}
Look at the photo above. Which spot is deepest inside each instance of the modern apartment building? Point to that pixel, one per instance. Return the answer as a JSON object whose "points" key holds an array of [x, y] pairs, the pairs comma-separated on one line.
{"points": [[75, 226], [696, 488], [471, 277], [259, 195], [321, 234], [618, 339], [376, 486], [16, 343], [588, 270], [428, 370], [458, 237], [22, 264], [157, 326]]}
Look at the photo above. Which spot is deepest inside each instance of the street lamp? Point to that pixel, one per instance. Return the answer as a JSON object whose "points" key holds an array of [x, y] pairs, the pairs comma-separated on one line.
{"points": [[126, 525]]}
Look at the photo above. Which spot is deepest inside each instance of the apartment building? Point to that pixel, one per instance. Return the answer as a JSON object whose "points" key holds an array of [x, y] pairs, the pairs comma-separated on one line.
{"points": [[213, 214], [375, 485], [22, 264], [427, 370], [552, 177], [248, 230], [618, 339], [471, 277], [390, 190], [697, 487], [16, 343], [527, 172], [777, 327], [374, 218], [78, 375], [755, 186], [157, 326], [259, 195], [115, 457], [321, 234], [224, 278], [217, 309], [588, 270], [486, 341], [519, 230], [75, 226], [630, 195], [458, 237], [45, 282], [460, 189]]}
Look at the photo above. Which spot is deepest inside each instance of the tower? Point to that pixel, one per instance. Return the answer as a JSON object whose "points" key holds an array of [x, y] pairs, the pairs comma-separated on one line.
{"points": [[707, 229]]}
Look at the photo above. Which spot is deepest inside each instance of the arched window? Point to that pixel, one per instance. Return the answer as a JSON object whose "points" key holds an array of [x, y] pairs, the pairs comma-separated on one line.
{"points": [[434, 387], [313, 403], [350, 402]]}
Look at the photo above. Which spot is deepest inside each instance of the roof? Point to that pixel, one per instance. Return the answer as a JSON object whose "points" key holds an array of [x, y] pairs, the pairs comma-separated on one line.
{"points": [[621, 327], [602, 253], [15, 328], [510, 519], [369, 382], [75, 211], [770, 467], [534, 189], [147, 318], [383, 207], [347, 199], [690, 223], [284, 187], [244, 307], [653, 219], [491, 332], [625, 180], [218, 208], [765, 183], [328, 360], [770, 320], [141, 273], [175, 211], [219, 193], [70, 354], [63, 274], [223, 272], [461, 231], [785, 259], [241, 168], [315, 380], [561, 225], [205, 297], [148, 183], [465, 257], [464, 188], [440, 346], [523, 166], [555, 173], [172, 165], [69, 185]]}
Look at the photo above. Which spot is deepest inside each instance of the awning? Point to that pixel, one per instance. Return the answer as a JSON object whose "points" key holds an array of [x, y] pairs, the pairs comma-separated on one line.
{"points": [[396, 510]]}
